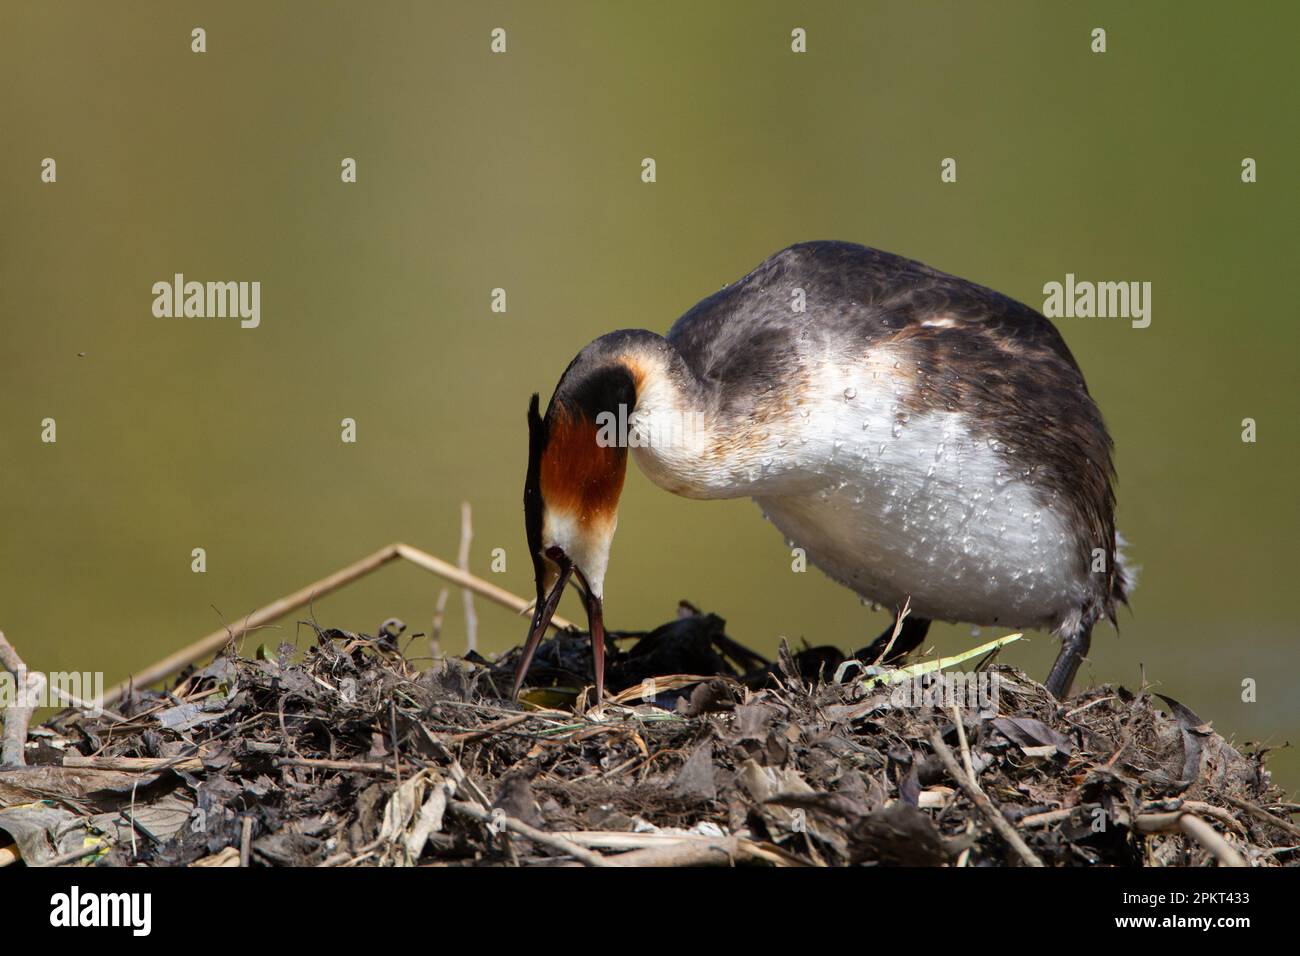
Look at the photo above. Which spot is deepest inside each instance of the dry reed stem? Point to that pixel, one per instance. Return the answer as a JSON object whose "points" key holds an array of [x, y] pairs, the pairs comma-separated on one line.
{"points": [[264, 615], [982, 802]]}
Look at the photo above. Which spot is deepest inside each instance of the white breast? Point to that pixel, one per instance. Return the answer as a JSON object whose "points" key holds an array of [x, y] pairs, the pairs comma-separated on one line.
{"points": [[893, 505]]}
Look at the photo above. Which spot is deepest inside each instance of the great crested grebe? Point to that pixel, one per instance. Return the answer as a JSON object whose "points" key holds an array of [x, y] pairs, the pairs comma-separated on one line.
{"points": [[921, 437]]}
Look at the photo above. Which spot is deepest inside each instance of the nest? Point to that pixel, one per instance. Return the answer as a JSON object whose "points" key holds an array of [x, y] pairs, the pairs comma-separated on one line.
{"points": [[707, 754]]}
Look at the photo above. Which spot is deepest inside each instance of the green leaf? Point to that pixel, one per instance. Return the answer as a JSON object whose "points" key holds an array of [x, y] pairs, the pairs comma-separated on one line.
{"points": [[942, 663]]}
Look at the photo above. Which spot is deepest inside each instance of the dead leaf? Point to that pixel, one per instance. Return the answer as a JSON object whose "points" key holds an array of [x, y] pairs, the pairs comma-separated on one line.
{"points": [[1030, 732], [696, 778]]}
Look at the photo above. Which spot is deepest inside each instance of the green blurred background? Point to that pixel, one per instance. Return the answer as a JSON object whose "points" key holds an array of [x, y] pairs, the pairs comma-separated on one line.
{"points": [[522, 171]]}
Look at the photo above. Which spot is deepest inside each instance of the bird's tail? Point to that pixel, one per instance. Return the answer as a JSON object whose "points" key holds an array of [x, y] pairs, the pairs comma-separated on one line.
{"points": [[1125, 580]]}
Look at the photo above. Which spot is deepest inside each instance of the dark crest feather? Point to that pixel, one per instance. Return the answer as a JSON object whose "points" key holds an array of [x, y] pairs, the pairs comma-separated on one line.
{"points": [[533, 490]]}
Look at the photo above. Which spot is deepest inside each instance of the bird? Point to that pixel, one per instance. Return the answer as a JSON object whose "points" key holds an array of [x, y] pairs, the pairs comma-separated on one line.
{"points": [[928, 442]]}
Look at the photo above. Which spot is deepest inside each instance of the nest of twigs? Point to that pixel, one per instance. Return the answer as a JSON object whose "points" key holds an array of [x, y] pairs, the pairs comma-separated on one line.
{"points": [[349, 755]]}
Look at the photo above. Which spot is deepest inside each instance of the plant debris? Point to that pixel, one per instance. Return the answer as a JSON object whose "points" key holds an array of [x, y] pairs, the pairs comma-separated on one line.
{"points": [[705, 754]]}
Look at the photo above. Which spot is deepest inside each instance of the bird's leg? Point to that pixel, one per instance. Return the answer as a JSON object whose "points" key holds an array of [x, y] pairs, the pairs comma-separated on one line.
{"points": [[596, 627], [909, 639], [1073, 648]]}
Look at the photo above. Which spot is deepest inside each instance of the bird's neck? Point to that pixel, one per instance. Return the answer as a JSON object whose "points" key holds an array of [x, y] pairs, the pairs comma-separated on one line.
{"points": [[684, 434]]}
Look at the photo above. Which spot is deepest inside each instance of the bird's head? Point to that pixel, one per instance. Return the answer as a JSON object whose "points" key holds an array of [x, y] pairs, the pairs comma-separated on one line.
{"points": [[576, 465]]}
